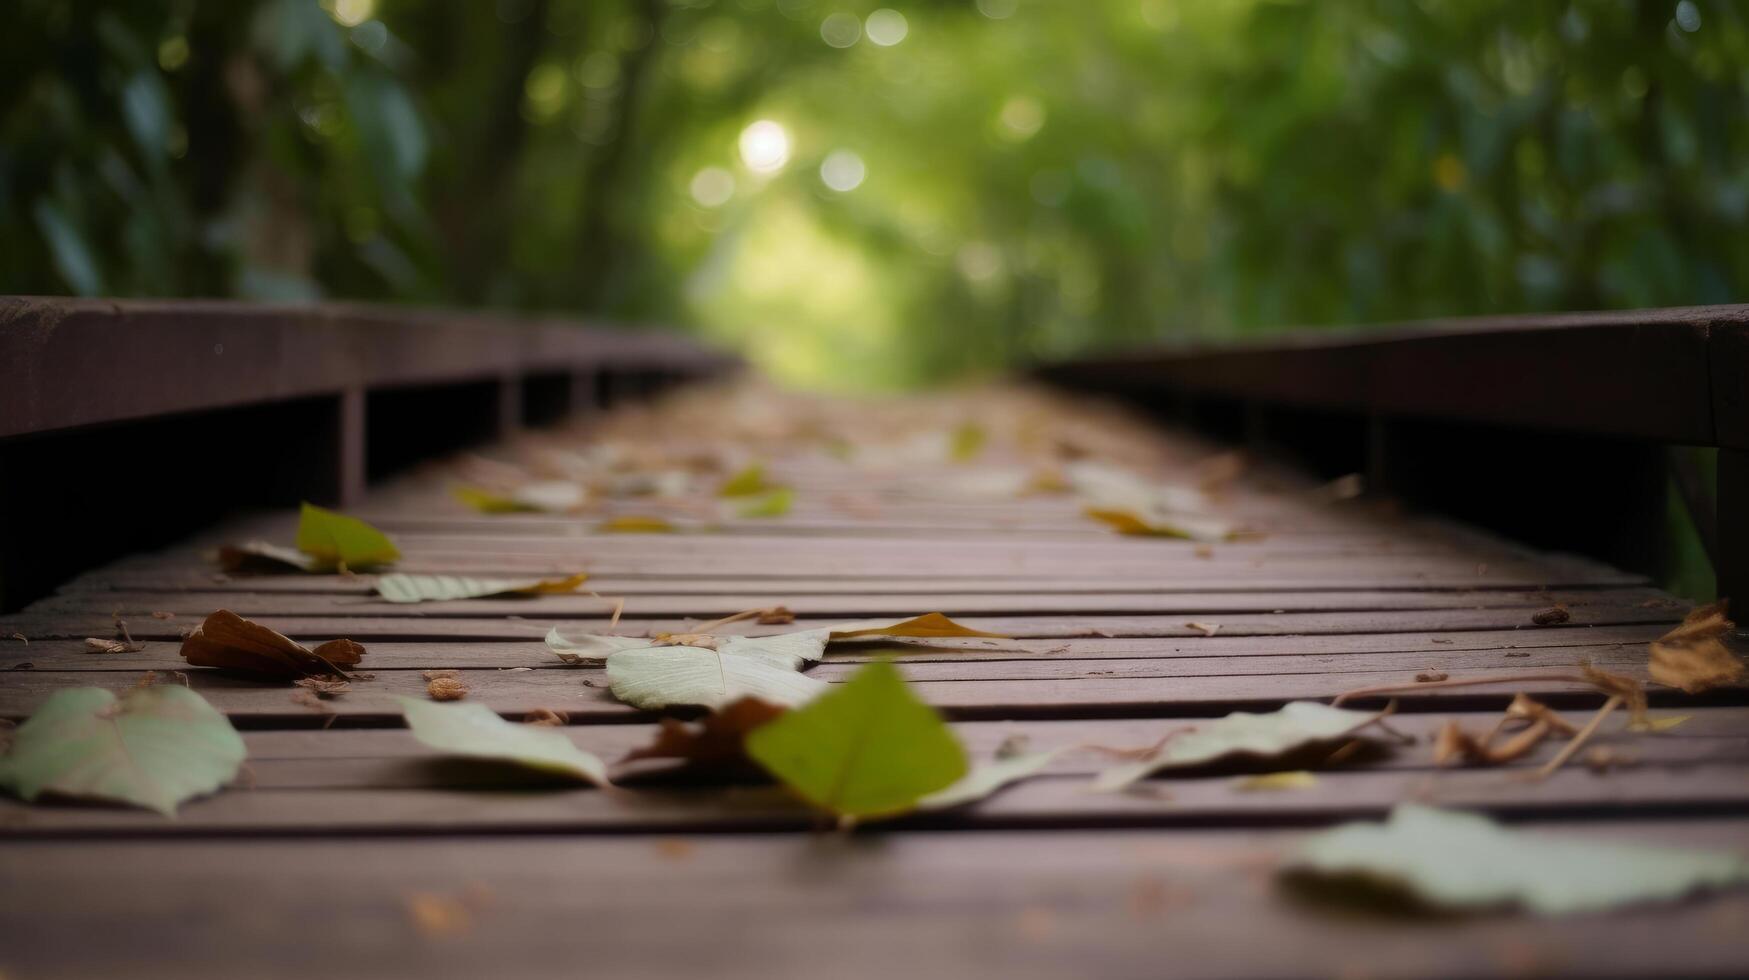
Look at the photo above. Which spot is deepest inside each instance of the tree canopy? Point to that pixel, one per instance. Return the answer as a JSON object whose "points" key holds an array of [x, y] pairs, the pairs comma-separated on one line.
{"points": [[886, 192]]}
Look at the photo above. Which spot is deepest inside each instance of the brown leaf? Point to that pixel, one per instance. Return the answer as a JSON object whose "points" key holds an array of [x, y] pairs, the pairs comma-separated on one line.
{"points": [[1429, 676], [1206, 629], [227, 640], [718, 739], [94, 644], [546, 718], [775, 616], [1693, 656], [446, 689], [1552, 616]]}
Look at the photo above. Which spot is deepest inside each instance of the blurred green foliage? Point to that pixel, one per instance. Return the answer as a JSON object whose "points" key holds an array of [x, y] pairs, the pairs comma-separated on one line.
{"points": [[1014, 178]]}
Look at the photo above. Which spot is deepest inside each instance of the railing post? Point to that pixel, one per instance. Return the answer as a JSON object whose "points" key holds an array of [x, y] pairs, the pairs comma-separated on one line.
{"points": [[351, 453], [1733, 524]]}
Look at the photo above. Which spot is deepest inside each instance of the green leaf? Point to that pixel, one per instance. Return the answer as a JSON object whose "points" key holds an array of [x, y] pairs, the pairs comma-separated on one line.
{"points": [[1455, 860], [659, 677], [476, 731], [867, 748], [401, 587], [773, 504], [346, 542], [966, 442], [749, 481], [1010, 766], [154, 747], [1297, 725]]}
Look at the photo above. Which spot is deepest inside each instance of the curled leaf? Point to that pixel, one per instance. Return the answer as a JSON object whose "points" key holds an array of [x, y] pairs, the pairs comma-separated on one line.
{"points": [[1693, 656], [225, 639], [264, 556], [1008, 767], [401, 587]]}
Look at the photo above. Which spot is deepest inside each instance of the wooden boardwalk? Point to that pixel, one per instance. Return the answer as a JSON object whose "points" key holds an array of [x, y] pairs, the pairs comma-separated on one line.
{"points": [[352, 850]]}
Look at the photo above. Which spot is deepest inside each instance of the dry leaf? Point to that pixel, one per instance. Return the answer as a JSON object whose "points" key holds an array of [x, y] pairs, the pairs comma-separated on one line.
{"points": [[446, 689], [95, 644], [635, 524], [1207, 629], [546, 718], [265, 556], [1552, 616], [323, 687], [1429, 676], [717, 739], [1693, 656], [1663, 724], [1276, 781], [225, 639], [775, 616]]}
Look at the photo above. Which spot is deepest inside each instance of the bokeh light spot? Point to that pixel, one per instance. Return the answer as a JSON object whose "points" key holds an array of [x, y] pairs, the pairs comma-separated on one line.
{"points": [[841, 30], [764, 146], [886, 27], [712, 187], [842, 171]]}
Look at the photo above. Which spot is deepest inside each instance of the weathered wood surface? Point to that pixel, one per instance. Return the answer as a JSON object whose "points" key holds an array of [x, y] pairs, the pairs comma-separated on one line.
{"points": [[343, 822]]}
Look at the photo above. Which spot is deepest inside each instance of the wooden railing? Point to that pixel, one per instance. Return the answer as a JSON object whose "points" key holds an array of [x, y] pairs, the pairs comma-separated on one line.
{"points": [[1563, 430], [126, 423]]}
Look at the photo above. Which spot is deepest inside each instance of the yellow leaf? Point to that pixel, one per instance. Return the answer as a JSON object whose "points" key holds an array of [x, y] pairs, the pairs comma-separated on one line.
{"points": [[967, 442], [749, 481], [1663, 724], [927, 625], [773, 504], [487, 502], [635, 524], [1276, 781]]}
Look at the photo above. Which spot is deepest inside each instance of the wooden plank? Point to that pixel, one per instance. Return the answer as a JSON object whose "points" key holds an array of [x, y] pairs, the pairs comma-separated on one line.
{"points": [[368, 628], [1017, 904], [1053, 801], [1632, 603], [1574, 644]]}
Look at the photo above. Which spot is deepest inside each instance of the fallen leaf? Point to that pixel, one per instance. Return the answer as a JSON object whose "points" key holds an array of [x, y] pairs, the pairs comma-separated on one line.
{"points": [[225, 639], [773, 504], [401, 587], [717, 739], [1663, 724], [338, 541], [653, 677], [634, 524], [1161, 524], [95, 644], [1693, 656], [541, 496], [867, 748], [1009, 766], [1430, 676], [774, 616], [438, 916], [966, 442], [154, 747], [1276, 781], [1453, 860], [1552, 616], [546, 717], [448, 688], [746, 482], [1296, 725], [265, 556], [1206, 629], [477, 731], [927, 626]]}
